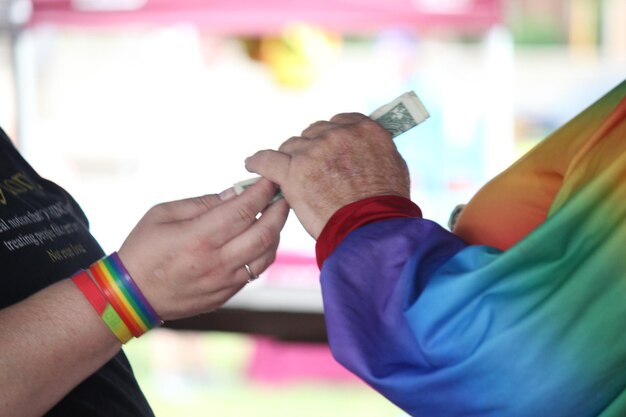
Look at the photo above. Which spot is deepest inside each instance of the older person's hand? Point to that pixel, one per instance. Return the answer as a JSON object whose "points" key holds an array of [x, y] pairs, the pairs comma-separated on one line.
{"points": [[332, 164]]}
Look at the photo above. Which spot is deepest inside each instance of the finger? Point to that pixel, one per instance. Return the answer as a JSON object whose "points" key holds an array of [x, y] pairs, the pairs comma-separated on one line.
{"points": [[215, 299], [348, 118], [223, 296], [361, 125], [261, 237], [185, 209], [227, 194], [294, 144], [317, 128], [273, 165], [234, 216], [257, 267]]}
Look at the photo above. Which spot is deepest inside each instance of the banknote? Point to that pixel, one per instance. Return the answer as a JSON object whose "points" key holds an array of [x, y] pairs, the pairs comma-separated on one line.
{"points": [[398, 116], [402, 114], [241, 186]]}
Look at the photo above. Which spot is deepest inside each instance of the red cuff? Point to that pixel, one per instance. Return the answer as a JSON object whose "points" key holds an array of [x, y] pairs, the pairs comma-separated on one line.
{"points": [[360, 213]]}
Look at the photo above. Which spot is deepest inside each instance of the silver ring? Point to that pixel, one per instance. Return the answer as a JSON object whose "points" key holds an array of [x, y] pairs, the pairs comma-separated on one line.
{"points": [[252, 275]]}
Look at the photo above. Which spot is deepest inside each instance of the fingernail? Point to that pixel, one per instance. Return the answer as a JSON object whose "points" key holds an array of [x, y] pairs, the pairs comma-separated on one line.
{"points": [[227, 194]]}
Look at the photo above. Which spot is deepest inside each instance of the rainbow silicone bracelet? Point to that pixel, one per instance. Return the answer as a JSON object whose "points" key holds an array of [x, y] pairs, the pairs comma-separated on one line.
{"points": [[104, 282], [123, 294], [125, 280], [107, 313]]}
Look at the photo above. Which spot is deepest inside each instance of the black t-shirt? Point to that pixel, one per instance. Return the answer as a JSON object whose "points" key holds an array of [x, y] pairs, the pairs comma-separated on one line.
{"points": [[44, 237]]}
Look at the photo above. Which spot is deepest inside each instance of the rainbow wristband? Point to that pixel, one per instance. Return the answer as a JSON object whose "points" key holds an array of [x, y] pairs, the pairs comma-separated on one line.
{"points": [[123, 294], [124, 280], [107, 313]]}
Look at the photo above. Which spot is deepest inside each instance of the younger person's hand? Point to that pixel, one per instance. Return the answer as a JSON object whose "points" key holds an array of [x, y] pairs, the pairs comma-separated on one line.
{"points": [[189, 256]]}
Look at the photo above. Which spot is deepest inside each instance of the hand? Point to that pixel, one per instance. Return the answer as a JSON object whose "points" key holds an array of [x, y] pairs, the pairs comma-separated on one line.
{"points": [[188, 256], [332, 164]]}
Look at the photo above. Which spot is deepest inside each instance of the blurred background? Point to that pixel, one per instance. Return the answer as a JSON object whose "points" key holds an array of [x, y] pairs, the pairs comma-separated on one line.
{"points": [[127, 103]]}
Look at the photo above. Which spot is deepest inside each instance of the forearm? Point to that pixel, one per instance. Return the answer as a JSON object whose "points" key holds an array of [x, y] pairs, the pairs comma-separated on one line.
{"points": [[50, 343], [367, 284], [456, 331]]}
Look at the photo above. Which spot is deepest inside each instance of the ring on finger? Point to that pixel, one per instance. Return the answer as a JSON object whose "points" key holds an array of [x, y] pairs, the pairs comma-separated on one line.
{"points": [[252, 275]]}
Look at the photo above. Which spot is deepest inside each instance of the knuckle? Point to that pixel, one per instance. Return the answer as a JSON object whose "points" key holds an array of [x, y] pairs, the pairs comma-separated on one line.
{"points": [[339, 139], [370, 127], [198, 244], [270, 258], [347, 117], [263, 156], [377, 129], [159, 211], [314, 127], [158, 208], [266, 237], [289, 144], [204, 201], [246, 213]]}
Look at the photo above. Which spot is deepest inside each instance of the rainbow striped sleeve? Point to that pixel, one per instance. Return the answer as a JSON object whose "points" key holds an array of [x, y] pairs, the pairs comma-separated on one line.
{"points": [[516, 314]]}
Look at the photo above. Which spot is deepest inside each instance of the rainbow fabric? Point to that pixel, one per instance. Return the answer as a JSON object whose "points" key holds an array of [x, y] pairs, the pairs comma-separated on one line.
{"points": [[522, 310]]}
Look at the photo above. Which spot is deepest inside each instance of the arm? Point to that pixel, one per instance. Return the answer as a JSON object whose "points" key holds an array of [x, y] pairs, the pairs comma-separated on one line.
{"points": [[441, 328], [186, 257], [368, 282], [365, 250], [446, 329], [50, 342]]}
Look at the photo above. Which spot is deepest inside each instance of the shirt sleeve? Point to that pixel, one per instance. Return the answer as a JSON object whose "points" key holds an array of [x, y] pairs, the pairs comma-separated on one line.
{"points": [[441, 328]]}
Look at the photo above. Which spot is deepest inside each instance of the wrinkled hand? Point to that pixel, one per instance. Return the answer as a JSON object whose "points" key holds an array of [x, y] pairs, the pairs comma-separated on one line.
{"points": [[332, 164], [188, 256]]}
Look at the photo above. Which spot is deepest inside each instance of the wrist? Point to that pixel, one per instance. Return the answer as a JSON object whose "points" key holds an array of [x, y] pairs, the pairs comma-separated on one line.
{"points": [[360, 213], [115, 297]]}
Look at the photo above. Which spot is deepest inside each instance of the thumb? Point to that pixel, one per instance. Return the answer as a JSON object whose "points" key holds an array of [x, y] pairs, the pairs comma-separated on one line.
{"points": [[187, 208], [270, 164]]}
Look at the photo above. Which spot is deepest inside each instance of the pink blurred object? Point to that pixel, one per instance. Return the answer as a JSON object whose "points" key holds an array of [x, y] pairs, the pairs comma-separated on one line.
{"points": [[293, 270], [256, 17], [277, 362]]}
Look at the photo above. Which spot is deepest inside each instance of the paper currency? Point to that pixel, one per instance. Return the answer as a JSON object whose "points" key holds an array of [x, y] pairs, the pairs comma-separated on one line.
{"points": [[398, 116], [241, 186], [402, 114]]}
